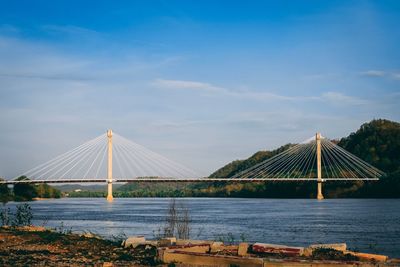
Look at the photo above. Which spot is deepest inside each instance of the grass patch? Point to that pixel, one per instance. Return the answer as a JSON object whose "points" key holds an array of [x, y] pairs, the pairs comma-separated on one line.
{"points": [[50, 237]]}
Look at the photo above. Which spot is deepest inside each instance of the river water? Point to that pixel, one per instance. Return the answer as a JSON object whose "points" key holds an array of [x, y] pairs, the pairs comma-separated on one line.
{"points": [[368, 225]]}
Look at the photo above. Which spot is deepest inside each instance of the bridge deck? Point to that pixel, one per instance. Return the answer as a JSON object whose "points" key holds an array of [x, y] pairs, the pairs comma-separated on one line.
{"points": [[188, 180]]}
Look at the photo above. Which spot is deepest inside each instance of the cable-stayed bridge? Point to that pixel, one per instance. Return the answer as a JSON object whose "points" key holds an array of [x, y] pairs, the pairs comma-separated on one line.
{"points": [[112, 158]]}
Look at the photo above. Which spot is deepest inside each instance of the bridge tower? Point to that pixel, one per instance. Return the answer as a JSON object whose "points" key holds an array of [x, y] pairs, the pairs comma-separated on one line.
{"points": [[319, 171], [109, 168]]}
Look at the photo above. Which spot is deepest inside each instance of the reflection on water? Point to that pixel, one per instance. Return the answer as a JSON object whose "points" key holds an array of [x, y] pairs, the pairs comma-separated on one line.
{"points": [[370, 225]]}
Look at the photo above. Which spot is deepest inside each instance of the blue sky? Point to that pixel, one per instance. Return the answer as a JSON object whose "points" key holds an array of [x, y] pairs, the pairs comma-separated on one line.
{"points": [[201, 82]]}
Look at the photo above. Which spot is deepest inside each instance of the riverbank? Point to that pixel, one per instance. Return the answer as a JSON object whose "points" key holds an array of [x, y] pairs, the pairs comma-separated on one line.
{"points": [[35, 246], [295, 222]]}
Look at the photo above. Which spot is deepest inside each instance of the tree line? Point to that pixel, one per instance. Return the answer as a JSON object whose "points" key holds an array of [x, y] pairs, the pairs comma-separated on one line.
{"points": [[27, 192]]}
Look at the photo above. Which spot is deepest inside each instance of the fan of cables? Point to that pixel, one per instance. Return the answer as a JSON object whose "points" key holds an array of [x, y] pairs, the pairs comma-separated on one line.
{"points": [[89, 161], [300, 162]]}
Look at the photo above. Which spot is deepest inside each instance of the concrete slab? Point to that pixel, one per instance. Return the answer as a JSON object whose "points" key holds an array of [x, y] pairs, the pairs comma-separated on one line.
{"points": [[133, 241], [368, 256], [277, 249], [183, 242], [242, 249], [197, 259], [167, 241]]}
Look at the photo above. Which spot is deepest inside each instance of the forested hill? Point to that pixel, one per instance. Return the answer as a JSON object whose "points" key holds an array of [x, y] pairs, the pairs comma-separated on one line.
{"points": [[376, 142]]}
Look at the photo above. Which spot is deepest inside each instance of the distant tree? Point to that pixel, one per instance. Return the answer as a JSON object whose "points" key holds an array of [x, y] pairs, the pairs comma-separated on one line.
{"points": [[5, 196], [24, 191], [47, 191], [5, 193]]}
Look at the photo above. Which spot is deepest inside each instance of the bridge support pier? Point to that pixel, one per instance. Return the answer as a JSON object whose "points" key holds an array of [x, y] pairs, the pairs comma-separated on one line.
{"points": [[319, 171], [319, 191], [110, 197]]}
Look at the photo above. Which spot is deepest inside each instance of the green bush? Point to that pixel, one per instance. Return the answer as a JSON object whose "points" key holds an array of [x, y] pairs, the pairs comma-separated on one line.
{"points": [[23, 215]]}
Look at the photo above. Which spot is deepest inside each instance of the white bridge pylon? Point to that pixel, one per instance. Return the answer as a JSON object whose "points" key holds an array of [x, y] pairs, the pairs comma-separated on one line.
{"points": [[113, 158]]}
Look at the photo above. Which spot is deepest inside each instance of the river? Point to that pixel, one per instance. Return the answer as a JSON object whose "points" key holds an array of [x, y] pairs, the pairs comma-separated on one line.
{"points": [[368, 225]]}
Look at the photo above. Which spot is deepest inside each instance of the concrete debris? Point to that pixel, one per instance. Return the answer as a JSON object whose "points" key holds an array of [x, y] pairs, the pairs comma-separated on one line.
{"points": [[368, 256], [133, 241], [199, 253], [167, 241], [216, 247], [197, 248], [55, 249], [183, 242], [277, 249], [242, 249], [90, 235]]}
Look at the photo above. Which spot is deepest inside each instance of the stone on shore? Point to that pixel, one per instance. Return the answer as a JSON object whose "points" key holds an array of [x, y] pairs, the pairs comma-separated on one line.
{"points": [[167, 241], [133, 241], [216, 247], [242, 249], [91, 235]]}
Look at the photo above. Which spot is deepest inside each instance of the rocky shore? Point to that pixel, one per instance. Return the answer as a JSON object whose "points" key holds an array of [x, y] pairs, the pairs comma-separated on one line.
{"points": [[38, 246]]}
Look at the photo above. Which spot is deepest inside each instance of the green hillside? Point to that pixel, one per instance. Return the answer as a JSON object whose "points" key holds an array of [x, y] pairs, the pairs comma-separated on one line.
{"points": [[376, 142]]}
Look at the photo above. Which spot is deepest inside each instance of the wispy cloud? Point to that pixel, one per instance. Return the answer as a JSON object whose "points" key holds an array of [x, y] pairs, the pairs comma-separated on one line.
{"points": [[69, 29], [29, 59], [8, 29], [382, 74], [332, 97], [210, 88], [191, 85], [339, 98], [374, 73]]}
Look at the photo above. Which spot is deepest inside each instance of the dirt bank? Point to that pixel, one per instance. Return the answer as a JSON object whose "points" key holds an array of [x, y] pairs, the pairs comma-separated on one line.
{"points": [[27, 247], [37, 246]]}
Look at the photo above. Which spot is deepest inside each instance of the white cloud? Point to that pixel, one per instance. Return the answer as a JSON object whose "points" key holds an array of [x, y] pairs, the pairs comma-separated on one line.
{"points": [[374, 73]]}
